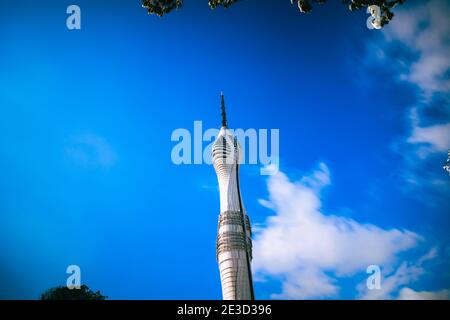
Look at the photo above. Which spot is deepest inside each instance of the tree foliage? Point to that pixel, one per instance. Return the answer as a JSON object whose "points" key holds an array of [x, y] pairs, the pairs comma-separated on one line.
{"points": [[447, 164], [64, 293], [161, 7]]}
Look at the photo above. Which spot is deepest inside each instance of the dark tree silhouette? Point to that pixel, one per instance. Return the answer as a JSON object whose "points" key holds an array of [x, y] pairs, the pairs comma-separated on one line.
{"points": [[447, 164], [161, 7], [64, 293]]}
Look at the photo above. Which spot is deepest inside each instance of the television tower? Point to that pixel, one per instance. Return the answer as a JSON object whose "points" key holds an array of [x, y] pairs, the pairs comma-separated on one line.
{"points": [[234, 243]]}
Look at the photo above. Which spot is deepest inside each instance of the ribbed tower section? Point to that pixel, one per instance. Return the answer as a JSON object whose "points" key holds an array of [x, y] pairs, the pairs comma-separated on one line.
{"points": [[234, 244]]}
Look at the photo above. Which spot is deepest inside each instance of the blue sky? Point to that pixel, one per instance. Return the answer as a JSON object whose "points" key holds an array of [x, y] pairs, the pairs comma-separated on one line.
{"points": [[86, 175]]}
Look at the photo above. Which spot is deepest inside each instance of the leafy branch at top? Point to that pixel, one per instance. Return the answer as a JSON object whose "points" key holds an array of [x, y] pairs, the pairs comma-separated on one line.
{"points": [[161, 7]]}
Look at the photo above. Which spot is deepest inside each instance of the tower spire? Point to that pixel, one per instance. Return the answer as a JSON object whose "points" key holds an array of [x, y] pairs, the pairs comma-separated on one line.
{"points": [[222, 107]]}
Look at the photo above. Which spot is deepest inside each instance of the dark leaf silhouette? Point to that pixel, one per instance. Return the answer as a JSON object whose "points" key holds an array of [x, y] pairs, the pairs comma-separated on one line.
{"points": [[64, 293], [161, 7]]}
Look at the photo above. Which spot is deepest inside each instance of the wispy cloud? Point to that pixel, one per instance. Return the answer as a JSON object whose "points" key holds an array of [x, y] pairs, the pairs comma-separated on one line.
{"points": [[415, 46], [309, 250], [434, 138], [424, 30], [406, 274], [410, 294]]}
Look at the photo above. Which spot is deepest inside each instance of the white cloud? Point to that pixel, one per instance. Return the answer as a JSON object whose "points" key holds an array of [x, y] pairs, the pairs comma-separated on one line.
{"points": [[421, 32], [405, 274], [410, 294], [308, 250], [434, 138], [90, 150], [424, 29], [306, 283]]}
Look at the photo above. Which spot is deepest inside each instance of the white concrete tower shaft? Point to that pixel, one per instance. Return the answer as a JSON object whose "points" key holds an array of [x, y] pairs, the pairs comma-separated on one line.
{"points": [[234, 244]]}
